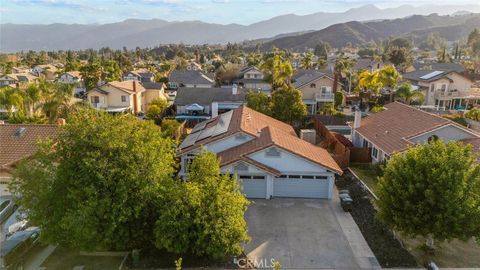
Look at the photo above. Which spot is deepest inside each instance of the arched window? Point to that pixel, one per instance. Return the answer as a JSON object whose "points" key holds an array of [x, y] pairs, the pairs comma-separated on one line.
{"points": [[313, 85]]}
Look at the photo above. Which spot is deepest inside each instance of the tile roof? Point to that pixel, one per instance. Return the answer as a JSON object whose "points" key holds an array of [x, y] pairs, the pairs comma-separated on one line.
{"points": [[205, 96], [390, 129], [128, 85], [18, 141], [304, 77], [190, 77], [153, 85], [267, 132]]}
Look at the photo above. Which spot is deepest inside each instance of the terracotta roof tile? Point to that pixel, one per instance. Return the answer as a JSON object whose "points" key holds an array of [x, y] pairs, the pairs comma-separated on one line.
{"points": [[390, 129], [16, 145]]}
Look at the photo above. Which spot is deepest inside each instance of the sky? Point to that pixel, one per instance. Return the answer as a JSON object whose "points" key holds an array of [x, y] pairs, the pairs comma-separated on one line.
{"points": [[213, 11]]}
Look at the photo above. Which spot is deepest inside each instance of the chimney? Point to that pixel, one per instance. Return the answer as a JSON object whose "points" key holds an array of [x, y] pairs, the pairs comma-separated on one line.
{"points": [[214, 109], [357, 122], [234, 89], [61, 121], [135, 101], [309, 135]]}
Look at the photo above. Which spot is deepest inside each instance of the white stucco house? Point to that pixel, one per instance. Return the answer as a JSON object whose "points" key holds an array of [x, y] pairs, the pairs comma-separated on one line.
{"points": [[268, 157], [400, 126], [252, 78], [73, 77]]}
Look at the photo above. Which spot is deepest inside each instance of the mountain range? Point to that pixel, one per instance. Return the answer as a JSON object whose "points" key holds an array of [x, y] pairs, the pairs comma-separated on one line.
{"points": [[148, 33], [416, 27]]}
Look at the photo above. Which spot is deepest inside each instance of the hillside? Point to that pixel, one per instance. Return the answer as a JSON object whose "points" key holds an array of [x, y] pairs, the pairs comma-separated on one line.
{"points": [[148, 33], [451, 28]]}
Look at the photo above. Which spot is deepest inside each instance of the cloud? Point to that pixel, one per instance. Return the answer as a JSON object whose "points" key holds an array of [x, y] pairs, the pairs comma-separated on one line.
{"points": [[221, 1]]}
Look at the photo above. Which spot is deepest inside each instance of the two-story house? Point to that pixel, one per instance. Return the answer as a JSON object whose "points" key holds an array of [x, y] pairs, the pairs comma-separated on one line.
{"points": [[190, 78], [400, 126], [142, 76], [316, 88], [49, 71], [117, 97], [264, 153], [73, 77], [16, 78], [252, 78], [192, 65], [446, 89]]}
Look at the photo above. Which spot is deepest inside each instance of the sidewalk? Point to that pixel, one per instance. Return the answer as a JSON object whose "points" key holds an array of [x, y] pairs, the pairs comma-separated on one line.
{"points": [[362, 252]]}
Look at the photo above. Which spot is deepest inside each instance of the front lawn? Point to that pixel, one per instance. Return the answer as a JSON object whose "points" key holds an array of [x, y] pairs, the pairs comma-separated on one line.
{"points": [[368, 173], [64, 258]]}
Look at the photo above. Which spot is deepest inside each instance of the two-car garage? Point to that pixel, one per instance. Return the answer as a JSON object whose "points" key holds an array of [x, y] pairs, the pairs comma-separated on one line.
{"points": [[293, 186]]}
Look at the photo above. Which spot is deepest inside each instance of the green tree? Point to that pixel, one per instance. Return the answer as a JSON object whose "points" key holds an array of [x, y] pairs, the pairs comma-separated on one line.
{"points": [[342, 67], [254, 59], [399, 56], [206, 217], [287, 105], [339, 99], [171, 128], [322, 50], [277, 68], [390, 77], [370, 83], [432, 190], [259, 101], [96, 185], [91, 74], [307, 60], [473, 114], [409, 96]]}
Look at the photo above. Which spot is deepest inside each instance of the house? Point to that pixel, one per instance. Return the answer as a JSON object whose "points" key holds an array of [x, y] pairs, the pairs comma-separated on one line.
{"points": [[368, 64], [437, 66], [142, 76], [192, 65], [445, 89], [252, 78], [203, 103], [73, 77], [266, 155], [154, 90], [117, 97], [17, 142], [316, 88], [400, 126], [8, 79], [49, 71], [190, 78], [20, 70]]}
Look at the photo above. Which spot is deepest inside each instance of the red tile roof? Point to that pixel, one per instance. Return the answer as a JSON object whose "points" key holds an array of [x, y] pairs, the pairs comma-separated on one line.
{"points": [[19, 141], [390, 129], [267, 132]]}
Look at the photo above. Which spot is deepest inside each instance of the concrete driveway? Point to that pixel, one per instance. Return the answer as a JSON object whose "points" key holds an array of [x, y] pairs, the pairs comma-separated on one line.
{"points": [[299, 233]]}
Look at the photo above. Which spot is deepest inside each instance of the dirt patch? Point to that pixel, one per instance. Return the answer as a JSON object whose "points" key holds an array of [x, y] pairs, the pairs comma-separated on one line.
{"points": [[388, 251]]}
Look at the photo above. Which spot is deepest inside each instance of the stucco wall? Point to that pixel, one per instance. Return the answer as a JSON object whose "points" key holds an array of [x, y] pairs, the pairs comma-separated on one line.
{"points": [[447, 133], [309, 93]]}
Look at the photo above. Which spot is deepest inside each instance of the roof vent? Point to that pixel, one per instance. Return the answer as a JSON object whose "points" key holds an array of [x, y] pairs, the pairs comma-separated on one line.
{"points": [[20, 132]]}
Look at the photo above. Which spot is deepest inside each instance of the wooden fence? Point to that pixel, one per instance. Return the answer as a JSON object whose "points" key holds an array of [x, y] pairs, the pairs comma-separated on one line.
{"points": [[339, 152], [360, 155]]}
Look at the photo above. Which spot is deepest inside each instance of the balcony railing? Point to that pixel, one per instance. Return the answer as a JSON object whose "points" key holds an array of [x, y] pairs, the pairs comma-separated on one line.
{"points": [[468, 94], [324, 96]]}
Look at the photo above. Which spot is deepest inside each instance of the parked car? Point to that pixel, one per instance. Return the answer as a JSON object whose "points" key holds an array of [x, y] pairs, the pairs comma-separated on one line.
{"points": [[7, 207], [17, 246]]}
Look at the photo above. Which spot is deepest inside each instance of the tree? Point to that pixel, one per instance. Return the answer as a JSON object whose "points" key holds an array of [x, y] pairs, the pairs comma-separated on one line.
{"points": [[474, 42], [277, 68], [343, 66], [432, 190], [399, 56], [339, 99], [287, 105], [206, 217], [227, 73], [409, 96], [473, 114], [390, 77], [91, 74], [259, 101], [307, 60], [171, 128], [96, 186], [370, 82], [322, 50], [254, 59]]}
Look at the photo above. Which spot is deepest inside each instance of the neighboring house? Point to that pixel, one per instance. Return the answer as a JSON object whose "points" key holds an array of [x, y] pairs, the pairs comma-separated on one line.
{"points": [[143, 76], [73, 77], [252, 78], [20, 70], [17, 142], [437, 66], [8, 79], [49, 71], [400, 126], [153, 91], [117, 97], [194, 66], [266, 155], [316, 88], [445, 89], [368, 64], [189, 78], [203, 103]]}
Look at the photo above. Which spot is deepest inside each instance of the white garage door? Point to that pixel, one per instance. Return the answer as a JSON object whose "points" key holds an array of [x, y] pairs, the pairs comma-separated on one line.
{"points": [[297, 186], [254, 187]]}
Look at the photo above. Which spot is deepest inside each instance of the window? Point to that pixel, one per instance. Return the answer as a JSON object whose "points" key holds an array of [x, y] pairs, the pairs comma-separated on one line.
{"points": [[294, 176], [272, 152], [312, 85], [432, 87], [308, 177], [124, 98], [365, 144], [95, 99], [321, 177], [374, 153], [444, 87], [258, 177]]}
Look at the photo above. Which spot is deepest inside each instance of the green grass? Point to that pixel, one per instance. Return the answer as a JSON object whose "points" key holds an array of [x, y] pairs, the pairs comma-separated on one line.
{"points": [[64, 258], [457, 119], [367, 173]]}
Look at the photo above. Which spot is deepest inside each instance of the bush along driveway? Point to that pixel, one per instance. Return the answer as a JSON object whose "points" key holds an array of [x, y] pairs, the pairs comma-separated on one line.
{"points": [[388, 250]]}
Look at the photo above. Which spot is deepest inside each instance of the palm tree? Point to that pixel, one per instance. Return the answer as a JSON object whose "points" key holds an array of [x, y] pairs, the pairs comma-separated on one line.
{"points": [[406, 92], [11, 99], [343, 66], [307, 60], [390, 77], [59, 101], [370, 82], [278, 69]]}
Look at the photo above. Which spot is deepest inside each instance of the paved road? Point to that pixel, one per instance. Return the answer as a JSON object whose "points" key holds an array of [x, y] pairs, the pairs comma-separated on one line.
{"points": [[299, 233]]}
